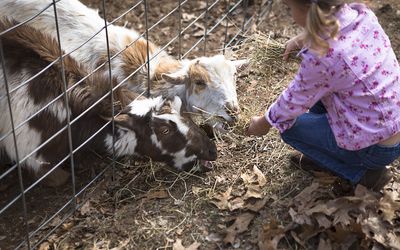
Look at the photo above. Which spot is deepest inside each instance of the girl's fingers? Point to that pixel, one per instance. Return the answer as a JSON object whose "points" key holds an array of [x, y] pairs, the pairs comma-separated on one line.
{"points": [[285, 56], [286, 53], [250, 128]]}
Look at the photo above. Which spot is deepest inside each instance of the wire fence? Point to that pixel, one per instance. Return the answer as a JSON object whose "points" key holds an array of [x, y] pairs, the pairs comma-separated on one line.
{"points": [[22, 199]]}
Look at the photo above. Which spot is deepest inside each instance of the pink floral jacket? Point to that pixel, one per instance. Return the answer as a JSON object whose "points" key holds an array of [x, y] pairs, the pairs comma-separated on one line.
{"points": [[357, 81]]}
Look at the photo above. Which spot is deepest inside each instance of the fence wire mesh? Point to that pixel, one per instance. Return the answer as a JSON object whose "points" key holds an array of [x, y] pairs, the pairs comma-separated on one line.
{"points": [[30, 212]]}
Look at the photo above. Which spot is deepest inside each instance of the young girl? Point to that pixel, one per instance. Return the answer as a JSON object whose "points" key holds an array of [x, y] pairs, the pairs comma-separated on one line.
{"points": [[349, 83]]}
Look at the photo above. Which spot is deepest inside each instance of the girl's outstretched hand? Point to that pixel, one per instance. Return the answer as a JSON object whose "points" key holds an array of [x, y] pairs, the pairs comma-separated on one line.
{"points": [[258, 126], [293, 44]]}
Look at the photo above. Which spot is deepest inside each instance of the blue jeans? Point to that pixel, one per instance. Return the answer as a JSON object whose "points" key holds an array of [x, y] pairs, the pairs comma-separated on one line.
{"points": [[312, 135]]}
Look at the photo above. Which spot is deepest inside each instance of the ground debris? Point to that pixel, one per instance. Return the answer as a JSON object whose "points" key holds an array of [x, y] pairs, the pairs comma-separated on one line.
{"points": [[363, 219]]}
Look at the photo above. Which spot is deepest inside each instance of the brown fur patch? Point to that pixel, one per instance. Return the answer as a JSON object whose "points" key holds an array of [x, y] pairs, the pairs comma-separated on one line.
{"points": [[46, 47], [44, 87], [166, 65], [103, 58], [166, 108], [198, 78], [135, 55], [33, 48]]}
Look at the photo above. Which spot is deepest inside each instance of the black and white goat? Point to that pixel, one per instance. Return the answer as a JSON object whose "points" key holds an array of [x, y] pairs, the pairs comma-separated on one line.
{"points": [[205, 84], [155, 127]]}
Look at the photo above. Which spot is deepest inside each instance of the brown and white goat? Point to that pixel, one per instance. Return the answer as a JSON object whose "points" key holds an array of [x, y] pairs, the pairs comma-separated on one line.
{"points": [[153, 127], [205, 84]]}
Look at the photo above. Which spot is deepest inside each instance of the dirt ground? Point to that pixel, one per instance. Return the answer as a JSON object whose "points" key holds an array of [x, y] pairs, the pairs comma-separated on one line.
{"points": [[148, 206]]}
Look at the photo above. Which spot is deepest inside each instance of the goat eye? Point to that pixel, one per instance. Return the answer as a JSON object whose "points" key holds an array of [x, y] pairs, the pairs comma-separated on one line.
{"points": [[165, 131], [200, 83]]}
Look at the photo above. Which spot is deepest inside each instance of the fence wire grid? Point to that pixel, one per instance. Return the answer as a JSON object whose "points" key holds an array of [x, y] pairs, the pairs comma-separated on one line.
{"points": [[209, 30]]}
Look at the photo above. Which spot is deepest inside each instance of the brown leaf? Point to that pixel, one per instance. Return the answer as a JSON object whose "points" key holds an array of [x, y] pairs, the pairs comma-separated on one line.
{"points": [[237, 203], [345, 236], [270, 236], [321, 208], [301, 219], [389, 203], [254, 178], [256, 206], [68, 226], [309, 231], [223, 199], [344, 220], [374, 228], [323, 221], [324, 244], [239, 226], [342, 217], [188, 17], [261, 180], [201, 5], [348, 204], [304, 198], [44, 246], [253, 191], [178, 245], [365, 198], [247, 178]]}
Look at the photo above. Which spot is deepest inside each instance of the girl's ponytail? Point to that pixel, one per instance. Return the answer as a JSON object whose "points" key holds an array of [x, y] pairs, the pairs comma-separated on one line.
{"points": [[322, 24]]}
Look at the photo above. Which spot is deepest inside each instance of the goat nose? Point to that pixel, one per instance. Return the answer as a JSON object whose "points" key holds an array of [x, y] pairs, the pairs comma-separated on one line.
{"points": [[233, 110]]}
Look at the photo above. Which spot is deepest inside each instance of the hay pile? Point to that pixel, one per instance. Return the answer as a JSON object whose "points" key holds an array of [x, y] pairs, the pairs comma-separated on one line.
{"points": [[267, 75]]}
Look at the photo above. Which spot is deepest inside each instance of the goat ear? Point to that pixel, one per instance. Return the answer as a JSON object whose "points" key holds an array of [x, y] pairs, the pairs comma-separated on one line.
{"points": [[166, 108], [241, 64], [177, 104], [177, 77]]}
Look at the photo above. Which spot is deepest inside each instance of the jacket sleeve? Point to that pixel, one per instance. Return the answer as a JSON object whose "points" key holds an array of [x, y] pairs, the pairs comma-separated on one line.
{"points": [[311, 83]]}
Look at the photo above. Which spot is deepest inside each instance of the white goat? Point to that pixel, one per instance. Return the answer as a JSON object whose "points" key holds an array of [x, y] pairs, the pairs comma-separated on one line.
{"points": [[206, 84]]}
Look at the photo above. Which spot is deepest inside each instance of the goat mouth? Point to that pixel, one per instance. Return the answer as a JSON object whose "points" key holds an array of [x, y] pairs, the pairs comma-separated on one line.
{"points": [[205, 166]]}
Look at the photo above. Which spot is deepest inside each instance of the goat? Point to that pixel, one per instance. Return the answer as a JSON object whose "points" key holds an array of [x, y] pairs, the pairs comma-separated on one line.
{"points": [[205, 84], [155, 127]]}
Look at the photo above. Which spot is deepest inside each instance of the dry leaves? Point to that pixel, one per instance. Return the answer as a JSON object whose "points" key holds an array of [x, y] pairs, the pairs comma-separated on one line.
{"points": [[239, 226], [252, 200], [270, 236], [178, 245], [45, 246], [253, 184], [367, 219], [222, 199]]}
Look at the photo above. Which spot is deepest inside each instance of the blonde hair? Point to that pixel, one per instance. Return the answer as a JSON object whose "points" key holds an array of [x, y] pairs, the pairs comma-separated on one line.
{"points": [[321, 23]]}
